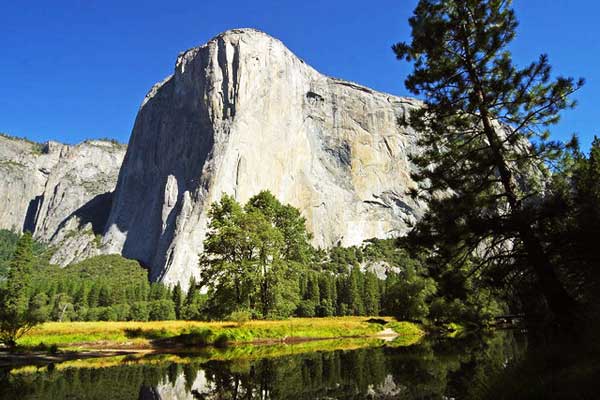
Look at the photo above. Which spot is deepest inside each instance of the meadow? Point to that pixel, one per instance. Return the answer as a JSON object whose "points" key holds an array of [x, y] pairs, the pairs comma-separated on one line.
{"points": [[148, 335]]}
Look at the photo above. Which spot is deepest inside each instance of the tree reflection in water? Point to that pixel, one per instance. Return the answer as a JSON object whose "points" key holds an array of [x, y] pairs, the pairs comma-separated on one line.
{"points": [[436, 368]]}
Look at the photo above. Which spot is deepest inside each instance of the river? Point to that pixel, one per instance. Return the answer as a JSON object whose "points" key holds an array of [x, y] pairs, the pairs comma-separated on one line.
{"points": [[435, 368]]}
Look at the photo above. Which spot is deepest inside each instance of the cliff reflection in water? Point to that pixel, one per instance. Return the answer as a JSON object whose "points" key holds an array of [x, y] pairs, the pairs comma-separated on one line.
{"points": [[432, 369]]}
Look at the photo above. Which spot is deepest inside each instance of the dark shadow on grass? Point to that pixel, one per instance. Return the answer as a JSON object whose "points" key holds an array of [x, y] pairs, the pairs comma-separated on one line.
{"points": [[151, 334], [377, 321], [195, 337]]}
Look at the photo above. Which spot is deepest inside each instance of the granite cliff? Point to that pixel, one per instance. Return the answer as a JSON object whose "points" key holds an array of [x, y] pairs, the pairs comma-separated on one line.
{"points": [[242, 114], [239, 114], [60, 193]]}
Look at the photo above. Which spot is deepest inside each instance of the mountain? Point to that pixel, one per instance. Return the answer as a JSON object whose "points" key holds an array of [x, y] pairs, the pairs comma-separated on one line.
{"points": [[61, 193], [241, 114]]}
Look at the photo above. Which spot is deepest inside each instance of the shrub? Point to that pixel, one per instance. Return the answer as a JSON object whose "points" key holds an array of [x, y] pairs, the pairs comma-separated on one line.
{"points": [[221, 340], [196, 337], [161, 310], [106, 314], [81, 314], [325, 309], [122, 311], [139, 311], [306, 308], [240, 317], [409, 298]]}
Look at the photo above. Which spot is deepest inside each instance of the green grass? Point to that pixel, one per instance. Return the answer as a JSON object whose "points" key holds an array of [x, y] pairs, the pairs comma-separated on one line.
{"points": [[404, 328], [141, 334], [246, 352]]}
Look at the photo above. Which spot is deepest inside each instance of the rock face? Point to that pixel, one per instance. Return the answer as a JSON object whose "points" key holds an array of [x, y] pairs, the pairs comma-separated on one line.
{"points": [[61, 193], [242, 114]]}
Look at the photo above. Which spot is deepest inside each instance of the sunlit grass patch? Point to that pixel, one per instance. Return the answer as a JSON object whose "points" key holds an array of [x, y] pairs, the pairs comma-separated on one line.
{"points": [[196, 333], [247, 352]]}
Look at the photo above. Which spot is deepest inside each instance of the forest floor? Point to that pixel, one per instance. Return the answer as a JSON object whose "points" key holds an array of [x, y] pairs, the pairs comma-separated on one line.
{"points": [[55, 341]]}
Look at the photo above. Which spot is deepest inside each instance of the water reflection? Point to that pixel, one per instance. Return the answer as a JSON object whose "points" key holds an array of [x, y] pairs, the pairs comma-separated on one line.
{"points": [[432, 369]]}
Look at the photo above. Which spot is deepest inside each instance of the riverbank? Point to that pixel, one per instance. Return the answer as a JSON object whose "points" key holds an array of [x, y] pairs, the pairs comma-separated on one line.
{"points": [[32, 362], [132, 335], [334, 368]]}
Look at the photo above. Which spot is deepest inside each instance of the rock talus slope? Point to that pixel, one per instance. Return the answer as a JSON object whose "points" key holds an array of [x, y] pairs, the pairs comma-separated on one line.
{"points": [[242, 114]]}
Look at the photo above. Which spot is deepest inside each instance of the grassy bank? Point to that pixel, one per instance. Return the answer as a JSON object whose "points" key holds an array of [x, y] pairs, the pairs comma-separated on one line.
{"points": [[82, 335], [247, 352]]}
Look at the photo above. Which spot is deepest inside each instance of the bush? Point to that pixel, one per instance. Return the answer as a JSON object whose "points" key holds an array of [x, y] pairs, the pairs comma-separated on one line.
{"points": [[221, 340], [92, 314], [106, 314], [306, 308], [81, 314], [161, 310], [196, 337], [325, 309], [139, 311], [39, 306], [409, 298], [122, 311], [240, 317], [191, 312]]}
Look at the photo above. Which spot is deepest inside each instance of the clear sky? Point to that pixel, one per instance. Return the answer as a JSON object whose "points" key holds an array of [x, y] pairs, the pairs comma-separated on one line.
{"points": [[72, 70]]}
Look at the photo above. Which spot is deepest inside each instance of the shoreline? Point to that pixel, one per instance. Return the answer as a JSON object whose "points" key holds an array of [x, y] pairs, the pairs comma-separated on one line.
{"points": [[42, 358], [123, 339]]}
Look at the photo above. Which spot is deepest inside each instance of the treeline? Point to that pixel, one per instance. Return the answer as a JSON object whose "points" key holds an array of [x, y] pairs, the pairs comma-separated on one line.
{"points": [[258, 263], [105, 288]]}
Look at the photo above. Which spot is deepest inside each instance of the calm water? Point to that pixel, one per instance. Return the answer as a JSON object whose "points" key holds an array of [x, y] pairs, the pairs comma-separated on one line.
{"points": [[434, 369]]}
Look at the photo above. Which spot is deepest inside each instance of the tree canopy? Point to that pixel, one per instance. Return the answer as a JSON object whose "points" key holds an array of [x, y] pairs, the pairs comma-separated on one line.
{"points": [[17, 315], [486, 154], [253, 255]]}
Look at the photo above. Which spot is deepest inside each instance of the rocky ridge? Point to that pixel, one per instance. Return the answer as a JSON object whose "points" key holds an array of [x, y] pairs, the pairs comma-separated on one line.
{"points": [[60, 193]]}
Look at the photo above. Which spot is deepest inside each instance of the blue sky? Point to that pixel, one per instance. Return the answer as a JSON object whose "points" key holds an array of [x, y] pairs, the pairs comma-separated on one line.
{"points": [[72, 70]]}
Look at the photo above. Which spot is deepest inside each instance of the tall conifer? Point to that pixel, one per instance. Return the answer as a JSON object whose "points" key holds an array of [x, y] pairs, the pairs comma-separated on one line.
{"points": [[485, 143]]}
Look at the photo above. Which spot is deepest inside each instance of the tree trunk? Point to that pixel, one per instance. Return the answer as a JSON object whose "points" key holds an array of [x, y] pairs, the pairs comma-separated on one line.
{"points": [[11, 343], [559, 300]]}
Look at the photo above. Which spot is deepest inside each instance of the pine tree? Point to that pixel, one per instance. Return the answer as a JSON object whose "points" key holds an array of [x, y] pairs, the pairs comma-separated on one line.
{"points": [[80, 299], [484, 139], [16, 315], [313, 291], [371, 294], [334, 295], [93, 295], [178, 300], [574, 232], [105, 297], [355, 291], [192, 309], [585, 221]]}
